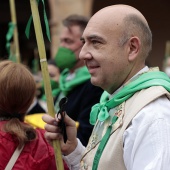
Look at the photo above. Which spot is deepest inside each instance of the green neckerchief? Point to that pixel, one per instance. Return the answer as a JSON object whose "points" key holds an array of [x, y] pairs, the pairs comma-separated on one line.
{"points": [[55, 92], [81, 75], [100, 111], [54, 88]]}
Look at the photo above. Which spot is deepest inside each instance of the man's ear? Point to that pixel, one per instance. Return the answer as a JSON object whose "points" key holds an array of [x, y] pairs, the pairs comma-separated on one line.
{"points": [[134, 46]]}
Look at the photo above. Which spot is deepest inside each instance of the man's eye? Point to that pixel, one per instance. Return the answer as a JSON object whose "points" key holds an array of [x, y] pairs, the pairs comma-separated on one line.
{"points": [[69, 41], [95, 42], [83, 41]]}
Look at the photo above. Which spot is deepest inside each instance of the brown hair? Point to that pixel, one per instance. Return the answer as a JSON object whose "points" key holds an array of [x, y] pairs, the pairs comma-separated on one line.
{"points": [[17, 90], [75, 19]]}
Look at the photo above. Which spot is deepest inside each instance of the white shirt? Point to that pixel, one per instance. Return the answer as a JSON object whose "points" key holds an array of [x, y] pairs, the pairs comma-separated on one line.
{"points": [[146, 140]]}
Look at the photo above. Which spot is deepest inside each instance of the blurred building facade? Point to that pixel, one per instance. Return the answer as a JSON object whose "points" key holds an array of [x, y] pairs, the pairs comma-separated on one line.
{"points": [[157, 14]]}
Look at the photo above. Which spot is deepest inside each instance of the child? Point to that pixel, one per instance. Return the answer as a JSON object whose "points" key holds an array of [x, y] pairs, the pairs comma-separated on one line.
{"points": [[17, 90]]}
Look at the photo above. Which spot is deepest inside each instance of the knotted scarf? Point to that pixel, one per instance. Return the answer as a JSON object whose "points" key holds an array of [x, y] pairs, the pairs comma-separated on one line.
{"points": [[81, 75], [100, 111], [54, 87]]}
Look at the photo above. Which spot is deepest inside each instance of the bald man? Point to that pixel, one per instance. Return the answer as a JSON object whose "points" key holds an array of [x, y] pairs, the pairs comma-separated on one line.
{"points": [[132, 120]]}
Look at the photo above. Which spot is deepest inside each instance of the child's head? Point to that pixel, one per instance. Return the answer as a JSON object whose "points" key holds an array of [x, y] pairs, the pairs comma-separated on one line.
{"points": [[17, 89]]}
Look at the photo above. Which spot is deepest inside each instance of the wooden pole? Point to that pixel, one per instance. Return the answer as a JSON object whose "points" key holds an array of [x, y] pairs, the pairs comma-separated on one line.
{"points": [[46, 78], [14, 21]]}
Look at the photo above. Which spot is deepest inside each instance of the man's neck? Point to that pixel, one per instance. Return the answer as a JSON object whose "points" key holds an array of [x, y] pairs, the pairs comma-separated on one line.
{"points": [[145, 69]]}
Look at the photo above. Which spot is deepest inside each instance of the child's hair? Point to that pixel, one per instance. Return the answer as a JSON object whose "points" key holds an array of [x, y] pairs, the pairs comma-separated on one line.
{"points": [[17, 91]]}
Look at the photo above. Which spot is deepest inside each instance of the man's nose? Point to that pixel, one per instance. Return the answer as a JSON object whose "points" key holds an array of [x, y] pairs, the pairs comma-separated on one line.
{"points": [[85, 53]]}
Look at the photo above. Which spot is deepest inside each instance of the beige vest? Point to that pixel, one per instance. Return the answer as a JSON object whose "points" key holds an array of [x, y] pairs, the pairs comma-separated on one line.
{"points": [[112, 156]]}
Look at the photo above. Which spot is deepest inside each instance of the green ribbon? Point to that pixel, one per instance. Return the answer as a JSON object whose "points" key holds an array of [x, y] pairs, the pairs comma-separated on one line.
{"points": [[100, 111], [9, 35], [81, 75], [27, 30], [103, 144]]}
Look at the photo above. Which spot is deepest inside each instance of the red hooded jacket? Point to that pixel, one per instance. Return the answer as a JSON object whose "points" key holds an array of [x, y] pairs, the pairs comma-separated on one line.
{"points": [[36, 154]]}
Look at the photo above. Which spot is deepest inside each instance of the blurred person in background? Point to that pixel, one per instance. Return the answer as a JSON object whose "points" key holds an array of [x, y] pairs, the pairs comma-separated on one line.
{"points": [[74, 81], [54, 73], [39, 104]]}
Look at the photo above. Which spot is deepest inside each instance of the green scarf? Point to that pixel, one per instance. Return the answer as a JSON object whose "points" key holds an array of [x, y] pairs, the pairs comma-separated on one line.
{"points": [[54, 88], [100, 111], [81, 75]]}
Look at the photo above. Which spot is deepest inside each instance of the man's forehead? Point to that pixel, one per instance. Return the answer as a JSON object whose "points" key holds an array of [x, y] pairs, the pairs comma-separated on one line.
{"points": [[100, 30], [102, 21], [92, 35], [70, 31]]}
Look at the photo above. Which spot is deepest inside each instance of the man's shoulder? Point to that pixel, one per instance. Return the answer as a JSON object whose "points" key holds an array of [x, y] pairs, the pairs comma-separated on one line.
{"points": [[147, 100]]}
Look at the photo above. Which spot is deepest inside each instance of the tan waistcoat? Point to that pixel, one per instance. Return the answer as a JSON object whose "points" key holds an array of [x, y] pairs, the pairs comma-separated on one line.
{"points": [[112, 156]]}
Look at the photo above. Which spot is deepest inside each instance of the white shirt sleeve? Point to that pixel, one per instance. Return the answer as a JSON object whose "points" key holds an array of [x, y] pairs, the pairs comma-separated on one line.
{"points": [[147, 139], [73, 159]]}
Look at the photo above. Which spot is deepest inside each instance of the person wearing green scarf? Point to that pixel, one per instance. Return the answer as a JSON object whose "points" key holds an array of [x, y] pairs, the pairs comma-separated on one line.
{"points": [[74, 81], [132, 120], [39, 104], [54, 73]]}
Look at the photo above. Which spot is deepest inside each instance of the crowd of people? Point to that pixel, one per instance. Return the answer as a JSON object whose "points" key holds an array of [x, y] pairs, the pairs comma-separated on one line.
{"points": [[117, 114]]}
